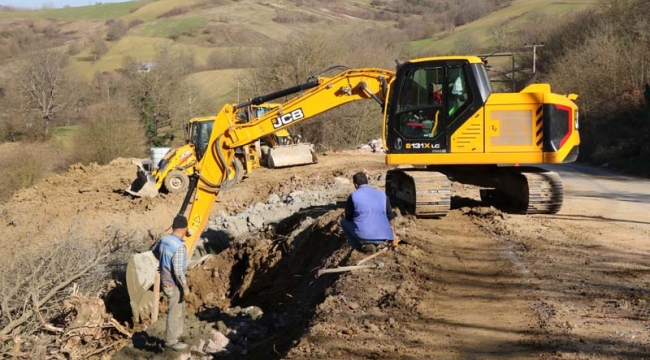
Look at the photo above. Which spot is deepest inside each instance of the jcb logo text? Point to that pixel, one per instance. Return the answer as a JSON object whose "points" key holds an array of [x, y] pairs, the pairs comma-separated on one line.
{"points": [[288, 118]]}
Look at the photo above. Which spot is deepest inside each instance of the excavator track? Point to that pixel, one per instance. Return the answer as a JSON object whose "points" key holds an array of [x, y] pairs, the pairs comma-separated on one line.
{"points": [[528, 191], [545, 192], [420, 192]]}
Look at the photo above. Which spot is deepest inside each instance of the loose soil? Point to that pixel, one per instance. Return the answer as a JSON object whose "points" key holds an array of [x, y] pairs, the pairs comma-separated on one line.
{"points": [[477, 284]]}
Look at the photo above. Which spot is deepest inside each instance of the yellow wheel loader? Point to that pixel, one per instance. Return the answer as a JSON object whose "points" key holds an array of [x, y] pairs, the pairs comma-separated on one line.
{"points": [[174, 170], [440, 115]]}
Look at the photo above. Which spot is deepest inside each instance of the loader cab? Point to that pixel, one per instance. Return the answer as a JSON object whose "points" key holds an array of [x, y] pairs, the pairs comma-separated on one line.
{"points": [[199, 135], [431, 99]]}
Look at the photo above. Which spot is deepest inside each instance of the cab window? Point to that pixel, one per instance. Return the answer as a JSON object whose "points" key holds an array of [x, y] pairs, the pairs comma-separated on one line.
{"points": [[420, 102], [459, 95]]}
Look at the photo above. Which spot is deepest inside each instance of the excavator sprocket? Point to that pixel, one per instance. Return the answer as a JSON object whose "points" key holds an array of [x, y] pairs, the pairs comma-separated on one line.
{"points": [[421, 192]]}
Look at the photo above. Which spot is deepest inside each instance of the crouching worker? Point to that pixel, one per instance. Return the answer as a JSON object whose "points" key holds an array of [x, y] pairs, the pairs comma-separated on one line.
{"points": [[172, 254], [368, 219]]}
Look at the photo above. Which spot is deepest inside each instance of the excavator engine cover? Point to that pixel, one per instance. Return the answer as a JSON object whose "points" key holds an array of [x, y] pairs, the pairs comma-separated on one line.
{"points": [[291, 155]]}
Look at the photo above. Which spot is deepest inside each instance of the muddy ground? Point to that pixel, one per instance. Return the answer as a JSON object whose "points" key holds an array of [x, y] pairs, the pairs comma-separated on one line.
{"points": [[477, 284]]}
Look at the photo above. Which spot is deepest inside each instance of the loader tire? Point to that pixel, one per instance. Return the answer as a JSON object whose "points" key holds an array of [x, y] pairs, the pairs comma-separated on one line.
{"points": [[176, 181]]}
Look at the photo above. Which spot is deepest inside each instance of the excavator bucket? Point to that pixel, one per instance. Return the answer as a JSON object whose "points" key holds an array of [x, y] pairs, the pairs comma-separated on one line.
{"points": [[291, 155], [145, 184], [140, 274]]}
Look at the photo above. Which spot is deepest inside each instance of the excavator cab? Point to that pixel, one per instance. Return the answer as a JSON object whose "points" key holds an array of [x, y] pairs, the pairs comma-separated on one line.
{"points": [[430, 100]]}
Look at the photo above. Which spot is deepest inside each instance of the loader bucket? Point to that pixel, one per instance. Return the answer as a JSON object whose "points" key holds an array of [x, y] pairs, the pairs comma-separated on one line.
{"points": [[140, 274], [291, 155], [144, 184]]}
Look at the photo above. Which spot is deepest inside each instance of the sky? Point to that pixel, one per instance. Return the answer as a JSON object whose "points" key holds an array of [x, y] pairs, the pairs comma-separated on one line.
{"points": [[35, 4]]}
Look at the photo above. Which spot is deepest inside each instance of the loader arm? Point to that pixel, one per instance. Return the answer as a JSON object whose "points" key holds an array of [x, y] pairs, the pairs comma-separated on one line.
{"points": [[319, 96]]}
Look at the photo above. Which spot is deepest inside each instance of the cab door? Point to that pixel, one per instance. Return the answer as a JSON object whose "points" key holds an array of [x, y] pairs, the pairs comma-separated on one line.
{"points": [[417, 118]]}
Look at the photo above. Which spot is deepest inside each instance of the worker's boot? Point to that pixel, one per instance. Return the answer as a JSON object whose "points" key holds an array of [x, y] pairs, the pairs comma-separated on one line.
{"points": [[369, 249]]}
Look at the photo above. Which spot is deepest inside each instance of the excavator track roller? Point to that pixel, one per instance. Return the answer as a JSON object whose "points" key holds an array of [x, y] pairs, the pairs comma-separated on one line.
{"points": [[420, 192], [527, 190]]}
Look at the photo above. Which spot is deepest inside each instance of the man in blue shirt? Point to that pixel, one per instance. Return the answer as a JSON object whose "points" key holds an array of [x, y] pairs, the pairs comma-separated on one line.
{"points": [[368, 219], [172, 254]]}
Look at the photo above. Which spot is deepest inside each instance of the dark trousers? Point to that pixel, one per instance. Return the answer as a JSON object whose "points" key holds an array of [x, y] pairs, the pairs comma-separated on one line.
{"points": [[356, 242]]}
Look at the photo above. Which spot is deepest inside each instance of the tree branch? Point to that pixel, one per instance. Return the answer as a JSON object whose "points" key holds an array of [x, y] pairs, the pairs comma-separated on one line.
{"points": [[27, 314]]}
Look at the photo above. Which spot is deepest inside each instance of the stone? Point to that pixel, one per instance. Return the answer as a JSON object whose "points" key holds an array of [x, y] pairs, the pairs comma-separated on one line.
{"points": [[217, 342], [221, 326], [255, 221], [273, 199], [253, 311]]}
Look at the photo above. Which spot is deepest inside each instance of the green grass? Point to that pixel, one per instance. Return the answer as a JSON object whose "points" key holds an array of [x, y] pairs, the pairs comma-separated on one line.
{"points": [[62, 136], [170, 26], [512, 17], [92, 12], [220, 85], [153, 9]]}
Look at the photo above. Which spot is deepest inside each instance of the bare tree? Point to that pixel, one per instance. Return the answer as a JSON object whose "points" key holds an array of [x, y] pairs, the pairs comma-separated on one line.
{"points": [[41, 80], [32, 288], [499, 37]]}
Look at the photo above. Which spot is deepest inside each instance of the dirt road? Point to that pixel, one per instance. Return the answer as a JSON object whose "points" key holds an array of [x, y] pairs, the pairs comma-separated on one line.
{"points": [[477, 284]]}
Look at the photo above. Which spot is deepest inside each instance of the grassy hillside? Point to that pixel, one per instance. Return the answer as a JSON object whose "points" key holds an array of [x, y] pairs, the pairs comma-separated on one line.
{"points": [[203, 26], [513, 18]]}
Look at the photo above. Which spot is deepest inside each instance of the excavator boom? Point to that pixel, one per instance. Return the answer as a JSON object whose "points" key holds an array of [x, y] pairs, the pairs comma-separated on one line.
{"points": [[215, 171]]}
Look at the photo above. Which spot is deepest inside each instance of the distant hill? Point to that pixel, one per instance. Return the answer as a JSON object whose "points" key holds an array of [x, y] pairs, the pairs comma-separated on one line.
{"points": [[203, 26]]}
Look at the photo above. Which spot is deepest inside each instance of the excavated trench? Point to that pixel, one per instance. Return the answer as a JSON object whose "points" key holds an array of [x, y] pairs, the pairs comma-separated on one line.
{"points": [[262, 293], [256, 292]]}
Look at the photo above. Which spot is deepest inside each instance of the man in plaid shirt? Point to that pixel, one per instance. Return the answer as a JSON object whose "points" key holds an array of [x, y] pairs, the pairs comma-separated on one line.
{"points": [[172, 254]]}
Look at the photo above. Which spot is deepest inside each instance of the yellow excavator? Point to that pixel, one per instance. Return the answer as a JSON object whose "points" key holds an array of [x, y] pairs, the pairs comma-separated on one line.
{"points": [[440, 115], [173, 172]]}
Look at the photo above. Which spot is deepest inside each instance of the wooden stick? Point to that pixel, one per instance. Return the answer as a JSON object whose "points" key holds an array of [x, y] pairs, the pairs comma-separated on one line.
{"points": [[372, 256], [156, 297], [349, 268]]}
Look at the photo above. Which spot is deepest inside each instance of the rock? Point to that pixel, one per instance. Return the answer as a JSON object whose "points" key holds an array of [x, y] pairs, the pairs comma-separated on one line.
{"points": [[273, 199], [198, 347], [259, 207], [370, 326], [341, 181], [391, 322], [221, 326], [365, 147], [255, 221], [353, 305], [253, 311], [217, 342]]}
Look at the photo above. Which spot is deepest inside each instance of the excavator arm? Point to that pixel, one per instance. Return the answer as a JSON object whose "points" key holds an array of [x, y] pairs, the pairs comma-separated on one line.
{"points": [[321, 95], [214, 172]]}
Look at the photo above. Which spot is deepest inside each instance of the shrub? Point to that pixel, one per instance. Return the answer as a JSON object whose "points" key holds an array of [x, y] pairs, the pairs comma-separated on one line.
{"points": [[23, 166], [74, 48], [116, 30], [110, 130], [174, 12], [219, 60], [135, 22]]}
